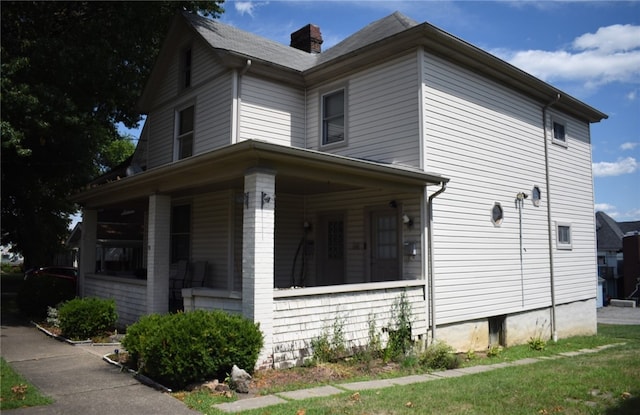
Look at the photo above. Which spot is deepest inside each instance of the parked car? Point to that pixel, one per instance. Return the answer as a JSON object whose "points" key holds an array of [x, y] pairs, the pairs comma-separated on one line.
{"points": [[67, 273]]}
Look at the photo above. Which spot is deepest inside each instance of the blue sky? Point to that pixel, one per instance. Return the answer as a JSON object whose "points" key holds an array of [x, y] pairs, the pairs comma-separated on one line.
{"points": [[590, 50]]}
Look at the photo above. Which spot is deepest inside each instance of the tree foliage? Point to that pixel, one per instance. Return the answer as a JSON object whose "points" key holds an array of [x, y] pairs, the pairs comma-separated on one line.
{"points": [[71, 72]]}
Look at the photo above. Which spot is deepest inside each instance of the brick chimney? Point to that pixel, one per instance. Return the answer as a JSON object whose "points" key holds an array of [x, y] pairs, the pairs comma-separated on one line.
{"points": [[307, 39]]}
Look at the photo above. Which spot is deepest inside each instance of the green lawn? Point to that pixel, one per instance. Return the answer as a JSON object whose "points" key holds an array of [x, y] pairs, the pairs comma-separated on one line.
{"points": [[16, 391], [605, 382]]}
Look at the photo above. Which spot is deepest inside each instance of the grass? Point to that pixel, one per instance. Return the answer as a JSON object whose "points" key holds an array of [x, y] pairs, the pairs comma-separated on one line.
{"points": [[16, 391], [605, 382]]}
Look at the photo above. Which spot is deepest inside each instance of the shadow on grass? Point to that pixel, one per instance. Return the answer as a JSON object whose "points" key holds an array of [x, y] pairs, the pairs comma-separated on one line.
{"points": [[627, 407]]}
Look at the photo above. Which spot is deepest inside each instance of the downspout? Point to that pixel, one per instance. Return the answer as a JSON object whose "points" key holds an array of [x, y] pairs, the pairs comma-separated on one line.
{"points": [[432, 297], [554, 331], [235, 110]]}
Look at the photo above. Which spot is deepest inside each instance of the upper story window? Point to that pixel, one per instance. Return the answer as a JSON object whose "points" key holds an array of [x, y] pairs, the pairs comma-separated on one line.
{"points": [[333, 116], [185, 81], [563, 235], [559, 133], [184, 132]]}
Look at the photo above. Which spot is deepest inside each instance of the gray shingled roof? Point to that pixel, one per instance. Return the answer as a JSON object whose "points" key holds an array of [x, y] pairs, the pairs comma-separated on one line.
{"points": [[610, 233], [378, 30], [228, 38]]}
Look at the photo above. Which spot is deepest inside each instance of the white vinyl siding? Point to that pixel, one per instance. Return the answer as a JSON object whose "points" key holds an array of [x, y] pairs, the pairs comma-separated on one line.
{"points": [[572, 203], [271, 112], [210, 236], [382, 113], [489, 142]]}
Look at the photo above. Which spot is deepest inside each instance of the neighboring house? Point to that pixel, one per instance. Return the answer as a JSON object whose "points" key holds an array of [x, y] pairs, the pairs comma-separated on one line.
{"points": [[321, 186], [618, 260]]}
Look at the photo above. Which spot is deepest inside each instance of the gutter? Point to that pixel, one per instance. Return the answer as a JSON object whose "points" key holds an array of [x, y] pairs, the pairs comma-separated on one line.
{"points": [[554, 331], [431, 283]]}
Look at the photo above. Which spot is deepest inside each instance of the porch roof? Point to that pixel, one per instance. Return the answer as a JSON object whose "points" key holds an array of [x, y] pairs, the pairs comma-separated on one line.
{"points": [[298, 171]]}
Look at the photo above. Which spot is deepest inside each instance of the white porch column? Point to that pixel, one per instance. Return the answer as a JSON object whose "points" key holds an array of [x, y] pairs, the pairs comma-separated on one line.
{"points": [[87, 247], [258, 231], [158, 253]]}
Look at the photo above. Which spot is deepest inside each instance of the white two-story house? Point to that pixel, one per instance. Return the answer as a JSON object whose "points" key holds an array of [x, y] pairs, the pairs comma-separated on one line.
{"points": [[316, 187]]}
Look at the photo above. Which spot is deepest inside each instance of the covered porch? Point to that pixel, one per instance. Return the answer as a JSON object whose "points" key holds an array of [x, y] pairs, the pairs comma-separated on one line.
{"points": [[285, 233]]}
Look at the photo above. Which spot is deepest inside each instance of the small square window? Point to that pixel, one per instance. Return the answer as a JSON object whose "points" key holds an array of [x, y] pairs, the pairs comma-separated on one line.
{"points": [[333, 115], [563, 235], [559, 133]]}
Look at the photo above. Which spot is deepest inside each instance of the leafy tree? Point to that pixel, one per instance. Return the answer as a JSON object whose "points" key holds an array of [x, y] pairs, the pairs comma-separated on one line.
{"points": [[71, 72]]}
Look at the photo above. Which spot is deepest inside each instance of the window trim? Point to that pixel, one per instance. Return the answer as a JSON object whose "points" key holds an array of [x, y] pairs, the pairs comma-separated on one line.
{"points": [[562, 244], [563, 123], [344, 140], [177, 136]]}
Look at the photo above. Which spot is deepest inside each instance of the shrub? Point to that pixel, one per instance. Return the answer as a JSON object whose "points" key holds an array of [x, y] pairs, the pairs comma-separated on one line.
{"points": [[439, 356], [39, 293], [83, 318], [178, 349], [400, 342]]}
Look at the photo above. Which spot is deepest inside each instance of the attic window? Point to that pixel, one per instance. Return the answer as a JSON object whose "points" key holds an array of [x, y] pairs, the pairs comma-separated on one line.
{"points": [[333, 114], [186, 68], [559, 133]]}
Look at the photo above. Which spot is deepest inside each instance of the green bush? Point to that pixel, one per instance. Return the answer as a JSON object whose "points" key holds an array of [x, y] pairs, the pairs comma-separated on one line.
{"points": [[182, 348], [83, 318], [41, 292], [439, 356]]}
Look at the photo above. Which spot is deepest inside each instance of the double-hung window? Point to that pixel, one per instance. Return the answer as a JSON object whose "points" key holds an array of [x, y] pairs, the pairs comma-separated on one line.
{"points": [[184, 132], [333, 117], [180, 233]]}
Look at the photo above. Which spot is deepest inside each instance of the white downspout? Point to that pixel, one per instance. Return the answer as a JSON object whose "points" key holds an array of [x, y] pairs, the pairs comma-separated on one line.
{"points": [[431, 283], [235, 110], [554, 331]]}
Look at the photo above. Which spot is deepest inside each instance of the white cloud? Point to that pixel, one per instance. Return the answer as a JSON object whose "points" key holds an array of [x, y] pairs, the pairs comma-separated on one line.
{"points": [[245, 7], [604, 207], [621, 166], [611, 54], [628, 146], [631, 96], [632, 215]]}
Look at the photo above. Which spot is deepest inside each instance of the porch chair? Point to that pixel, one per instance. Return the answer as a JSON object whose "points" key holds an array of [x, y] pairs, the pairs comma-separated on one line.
{"points": [[197, 274], [177, 282]]}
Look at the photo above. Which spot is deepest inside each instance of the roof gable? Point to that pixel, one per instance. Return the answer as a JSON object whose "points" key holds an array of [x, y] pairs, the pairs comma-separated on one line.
{"points": [[374, 32]]}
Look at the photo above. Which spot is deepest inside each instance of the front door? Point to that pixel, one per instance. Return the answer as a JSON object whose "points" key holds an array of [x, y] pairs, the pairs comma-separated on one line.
{"points": [[331, 249], [384, 252]]}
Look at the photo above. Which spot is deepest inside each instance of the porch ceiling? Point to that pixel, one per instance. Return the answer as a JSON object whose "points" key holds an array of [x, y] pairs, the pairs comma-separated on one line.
{"points": [[298, 171]]}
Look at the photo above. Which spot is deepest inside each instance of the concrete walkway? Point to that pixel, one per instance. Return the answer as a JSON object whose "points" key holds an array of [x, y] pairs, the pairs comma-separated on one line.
{"points": [[80, 382], [78, 379]]}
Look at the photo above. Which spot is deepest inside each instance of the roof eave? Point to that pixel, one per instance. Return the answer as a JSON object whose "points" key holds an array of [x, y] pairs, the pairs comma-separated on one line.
{"points": [[451, 48]]}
